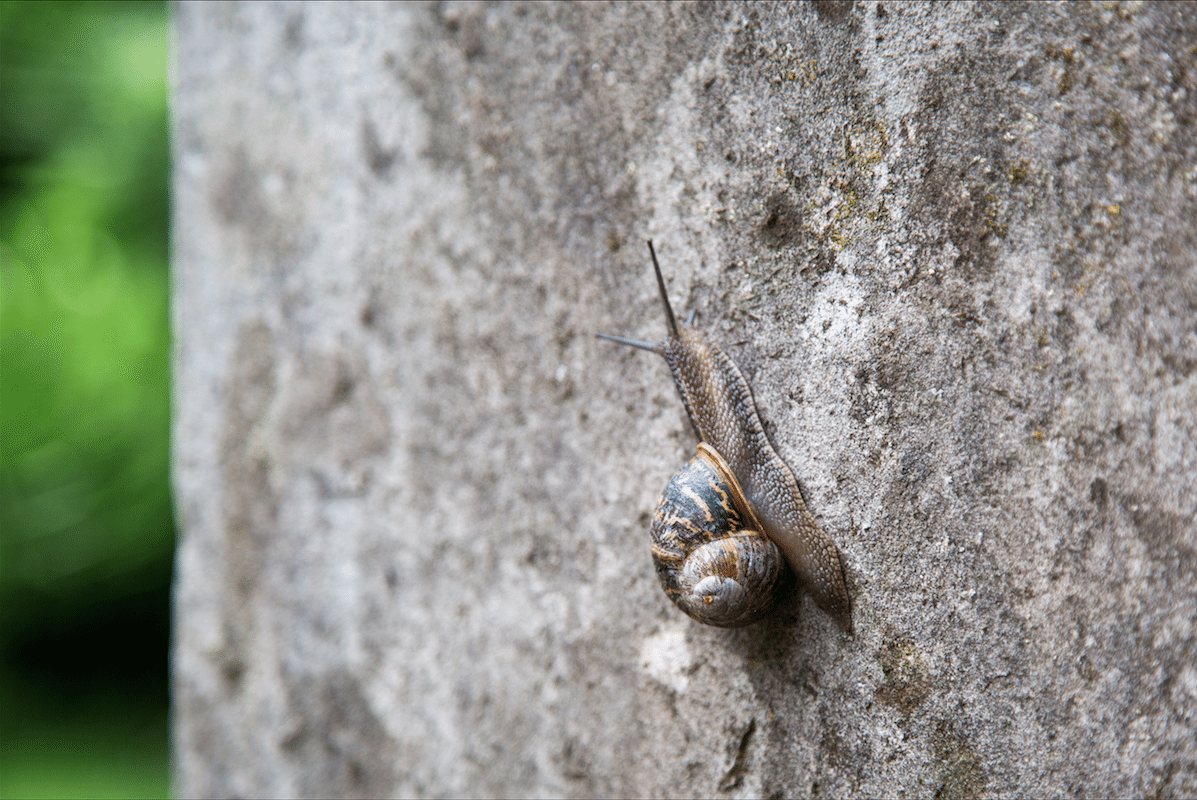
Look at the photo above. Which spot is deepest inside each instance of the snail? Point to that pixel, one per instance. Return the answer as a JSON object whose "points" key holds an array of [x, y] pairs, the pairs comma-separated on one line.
{"points": [[732, 517]]}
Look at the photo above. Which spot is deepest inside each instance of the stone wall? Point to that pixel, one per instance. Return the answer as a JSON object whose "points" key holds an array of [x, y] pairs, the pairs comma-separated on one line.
{"points": [[953, 249]]}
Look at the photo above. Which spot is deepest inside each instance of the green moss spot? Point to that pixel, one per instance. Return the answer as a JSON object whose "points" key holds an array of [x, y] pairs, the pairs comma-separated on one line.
{"points": [[906, 683], [961, 773], [1019, 173]]}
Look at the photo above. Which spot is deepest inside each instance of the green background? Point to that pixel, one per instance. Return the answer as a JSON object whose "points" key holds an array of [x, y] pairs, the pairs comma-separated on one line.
{"points": [[86, 523]]}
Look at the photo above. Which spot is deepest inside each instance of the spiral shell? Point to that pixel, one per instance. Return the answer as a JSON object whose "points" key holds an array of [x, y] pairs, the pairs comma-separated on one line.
{"points": [[711, 558]]}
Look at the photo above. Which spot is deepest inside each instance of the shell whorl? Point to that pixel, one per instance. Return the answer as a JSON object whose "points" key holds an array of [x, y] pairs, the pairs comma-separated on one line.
{"points": [[711, 557]]}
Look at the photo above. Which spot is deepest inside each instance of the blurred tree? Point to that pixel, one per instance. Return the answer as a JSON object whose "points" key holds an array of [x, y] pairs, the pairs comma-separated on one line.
{"points": [[86, 527]]}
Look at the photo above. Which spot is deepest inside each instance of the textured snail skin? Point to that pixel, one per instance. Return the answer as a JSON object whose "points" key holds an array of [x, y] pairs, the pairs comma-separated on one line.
{"points": [[710, 561], [721, 407]]}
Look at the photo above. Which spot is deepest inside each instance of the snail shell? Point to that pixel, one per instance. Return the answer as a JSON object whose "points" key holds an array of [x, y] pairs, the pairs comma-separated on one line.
{"points": [[711, 557]]}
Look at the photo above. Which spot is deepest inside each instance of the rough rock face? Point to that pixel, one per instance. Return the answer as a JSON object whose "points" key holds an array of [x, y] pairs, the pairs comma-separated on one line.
{"points": [[952, 248]]}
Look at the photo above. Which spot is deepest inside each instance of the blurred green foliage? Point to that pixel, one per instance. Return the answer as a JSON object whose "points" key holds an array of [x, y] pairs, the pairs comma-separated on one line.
{"points": [[86, 526]]}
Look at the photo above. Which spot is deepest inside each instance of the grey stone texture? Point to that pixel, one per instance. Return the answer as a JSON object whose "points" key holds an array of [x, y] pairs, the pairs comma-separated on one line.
{"points": [[952, 247]]}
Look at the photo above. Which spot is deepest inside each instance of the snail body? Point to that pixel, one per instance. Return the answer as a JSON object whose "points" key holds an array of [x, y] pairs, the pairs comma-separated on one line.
{"points": [[737, 490]]}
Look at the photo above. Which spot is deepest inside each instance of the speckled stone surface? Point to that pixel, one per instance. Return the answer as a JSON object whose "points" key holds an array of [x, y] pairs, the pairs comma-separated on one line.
{"points": [[952, 249]]}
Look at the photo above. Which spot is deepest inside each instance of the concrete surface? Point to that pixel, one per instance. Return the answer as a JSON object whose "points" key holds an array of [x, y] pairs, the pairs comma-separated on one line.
{"points": [[953, 249]]}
